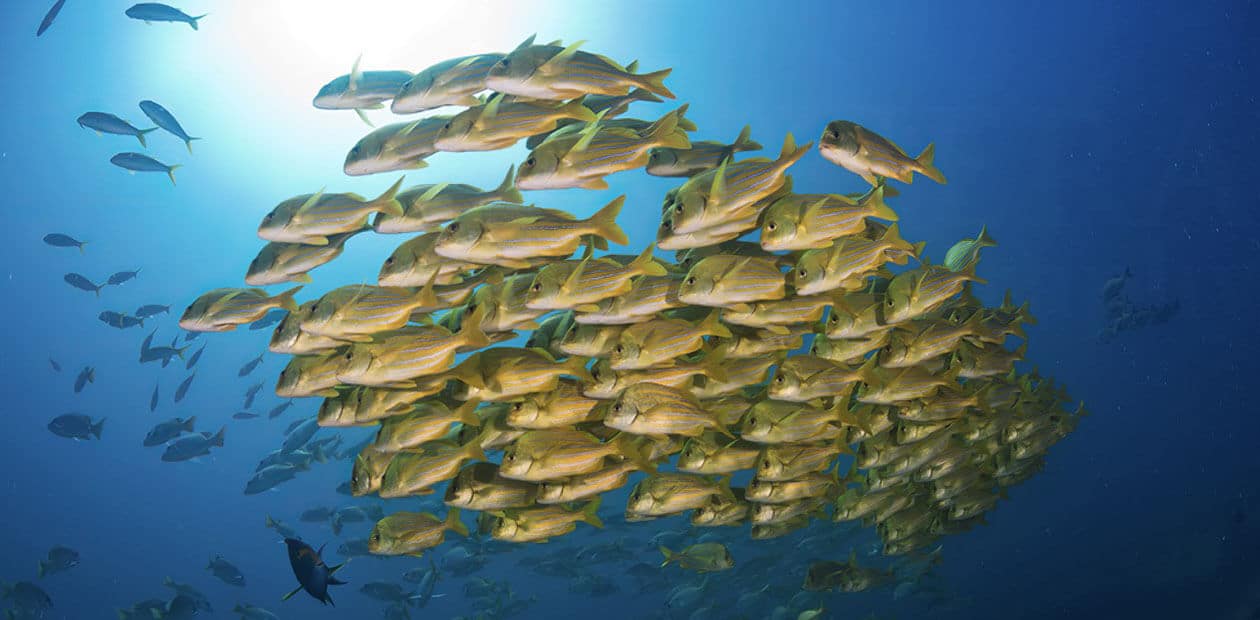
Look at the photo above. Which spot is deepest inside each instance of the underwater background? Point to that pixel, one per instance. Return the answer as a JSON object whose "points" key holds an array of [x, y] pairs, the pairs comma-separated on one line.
{"points": [[1087, 137]]}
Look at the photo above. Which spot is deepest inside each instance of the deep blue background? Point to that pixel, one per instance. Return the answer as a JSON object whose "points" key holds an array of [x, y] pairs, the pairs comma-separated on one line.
{"points": [[1085, 137]]}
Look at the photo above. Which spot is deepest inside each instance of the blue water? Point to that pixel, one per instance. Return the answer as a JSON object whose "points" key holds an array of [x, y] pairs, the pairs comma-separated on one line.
{"points": [[1087, 138]]}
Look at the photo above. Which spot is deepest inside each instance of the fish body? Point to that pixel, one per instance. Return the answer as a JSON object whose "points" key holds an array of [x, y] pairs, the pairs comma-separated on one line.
{"points": [[414, 473], [278, 263], [543, 522], [775, 422], [966, 253], [915, 293], [426, 208], [270, 477], [649, 296], [428, 421], [781, 462], [586, 486], [480, 487], [358, 311], [85, 376], [657, 342], [360, 90], [413, 532], [815, 221], [400, 146], [139, 162], [699, 157], [872, 156], [60, 559], [164, 432], [734, 282], [82, 283], [225, 308], [582, 284], [226, 572], [51, 15], [102, 122], [314, 219], [550, 454], [192, 445], [150, 310], [701, 557], [665, 494], [732, 191], [405, 358], [414, 263], [499, 123], [510, 235], [553, 72], [60, 240], [312, 574], [76, 426], [705, 454], [558, 408], [802, 378], [156, 12], [651, 409], [182, 390], [451, 82], [509, 373]]}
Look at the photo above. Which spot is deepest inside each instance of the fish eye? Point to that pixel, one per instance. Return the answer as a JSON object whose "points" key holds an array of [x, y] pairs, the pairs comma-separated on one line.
{"points": [[349, 355], [389, 261], [536, 287], [616, 408], [453, 227], [833, 133], [766, 463], [517, 406], [778, 378], [771, 226], [267, 218], [889, 301], [595, 374], [505, 62], [619, 349], [510, 457], [801, 273], [531, 161], [691, 280]]}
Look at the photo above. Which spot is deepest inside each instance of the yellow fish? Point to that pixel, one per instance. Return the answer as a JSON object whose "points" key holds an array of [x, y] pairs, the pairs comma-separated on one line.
{"points": [[426, 208], [480, 487], [558, 408], [553, 72], [414, 473], [659, 341], [872, 156], [814, 221], [581, 284], [510, 235], [543, 523], [323, 215], [651, 409], [222, 309], [699, 157], [500, 122], [358, 311], [732, 282], [410, 533]]}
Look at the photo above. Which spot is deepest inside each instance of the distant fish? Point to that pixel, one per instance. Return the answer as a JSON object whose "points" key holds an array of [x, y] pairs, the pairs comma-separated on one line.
{"points": [[76, 426], [163, 432], [271, 318], [153, 400], [57, 367], [300, 434], [120, 320], [192, 446], [280, 527], [191, 336], [312, 574], [82, 283], [182, 390], [361, 90], [59, 240], [86, 376], [103, 123], [244, 415], [59, 559], [122, 276], [149, 12], [249, 366], [164, 119], [149, 310], [253, 612], [196, 356], [279, 409], [226, 571], [137, 162], [49, 17], [270, 477], [250, 394]]}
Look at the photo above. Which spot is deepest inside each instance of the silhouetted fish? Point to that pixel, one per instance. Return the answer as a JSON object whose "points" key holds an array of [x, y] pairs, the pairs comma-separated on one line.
{"points": [[59, 240], [311, 572], [49, 17], [139, 162], [82, 283], [164, 119]]}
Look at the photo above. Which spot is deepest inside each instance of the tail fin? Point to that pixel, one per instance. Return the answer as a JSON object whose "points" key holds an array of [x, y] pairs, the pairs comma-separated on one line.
{"points": [[472, 450], [713, 364], [98, 427], [669, 556], [645, 264], [170, 172], [506, 191], [877, 208], [454, 524], [665, 131], [140, 136], [712, 325], [626, 446], [286, 300], [605, 222], [388, 202], [471, 330], [925, 164], [655, 82], [590, 513], [984, 239], [576, 366], [892, 236], [188, 143], [192, 21], [42, 569], [790, 152], [577, 109], [468, 373], [217, 438], [467, 412], [744, 141]]}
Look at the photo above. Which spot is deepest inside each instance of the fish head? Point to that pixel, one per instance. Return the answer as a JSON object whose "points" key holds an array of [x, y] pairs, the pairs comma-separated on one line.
{"points": [[625, 353], [524, 412], [381, 544], [778, 227], [623, 410], [662, 160], [692, 457], [544, 290], [839, 137], [399, 267], [541, 167], [603, 380], [504, 528], [640, 501], [785, 384], [513, 73], [769, 466], [459, 132], [809, 274], [459, 492], [356, 361], [258, 273], [367, 156], [688, 210], [699, 284], [550, 491], [458, 237], [332, 96], [515, 463], [412, 97]]}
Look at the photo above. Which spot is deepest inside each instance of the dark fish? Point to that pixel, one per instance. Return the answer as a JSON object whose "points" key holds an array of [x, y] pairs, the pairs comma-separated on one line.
{"points": [[122, 276], [280, 527], [354, 548], [182, 607], [226, 571], [271, 318], [316, 515], [60, 559], [164, 119], [270, 477], [76, 426], [279, 409], [28, 600], [182, 589], [49, 17], [163, 432], [139, 162], [153, 400], [149, 12], [55, 366], [59, 240], [103, 123], [86, 376], [311, 572], [149, 310], [249, 366], [182, 390], [250, 394], [82, 283], [244, 415], [191, 336], [346, 488], [300, 435], [192, 446], [292, 425], [119, 320], [196, 356]]}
